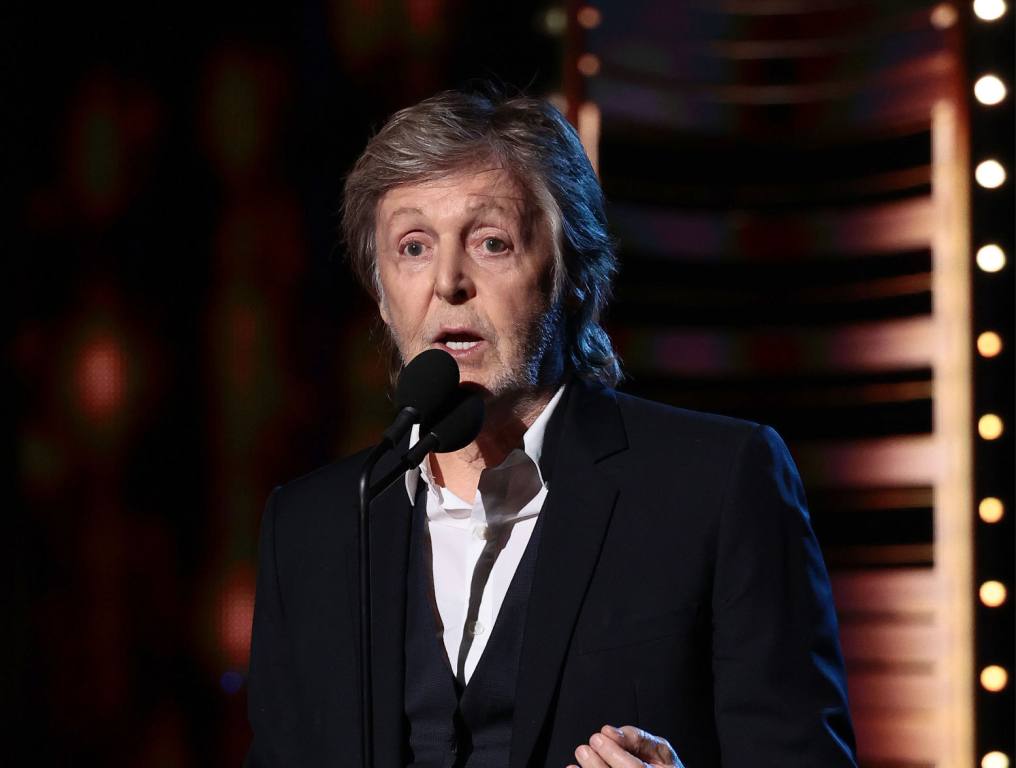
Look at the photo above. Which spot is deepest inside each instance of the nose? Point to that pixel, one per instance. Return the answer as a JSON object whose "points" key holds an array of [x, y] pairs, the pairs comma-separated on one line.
{"points": [[452, 280]]}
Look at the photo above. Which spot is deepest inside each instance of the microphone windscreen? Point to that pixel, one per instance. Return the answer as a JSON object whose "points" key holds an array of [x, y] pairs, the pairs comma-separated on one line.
{"points": [[460, 425], [427, 382]]}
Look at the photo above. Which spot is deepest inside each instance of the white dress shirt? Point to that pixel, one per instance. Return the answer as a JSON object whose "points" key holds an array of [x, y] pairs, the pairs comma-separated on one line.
{"points": [[504, 511]]}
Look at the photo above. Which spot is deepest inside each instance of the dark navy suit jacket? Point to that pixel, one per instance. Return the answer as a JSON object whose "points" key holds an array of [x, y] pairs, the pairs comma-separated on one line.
{"points": [[678, 587]]}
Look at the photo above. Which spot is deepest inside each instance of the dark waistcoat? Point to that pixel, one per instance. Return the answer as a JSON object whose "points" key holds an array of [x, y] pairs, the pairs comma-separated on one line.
{"points": [[451, 726]]}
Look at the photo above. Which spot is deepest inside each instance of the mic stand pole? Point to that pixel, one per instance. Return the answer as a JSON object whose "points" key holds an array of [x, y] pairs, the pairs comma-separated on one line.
{"points": [[366, 672], [385, 482]]}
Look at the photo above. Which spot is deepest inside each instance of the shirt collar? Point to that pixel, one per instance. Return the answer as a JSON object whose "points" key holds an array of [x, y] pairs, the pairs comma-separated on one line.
{"points": [[532, 445]]}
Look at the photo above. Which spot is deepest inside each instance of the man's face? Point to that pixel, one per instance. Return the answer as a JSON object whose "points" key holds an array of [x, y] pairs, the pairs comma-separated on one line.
{"points": [[456, 274]]}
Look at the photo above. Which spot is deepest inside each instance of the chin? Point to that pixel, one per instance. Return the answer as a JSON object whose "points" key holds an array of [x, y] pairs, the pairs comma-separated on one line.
{"points": [[474, 382]]}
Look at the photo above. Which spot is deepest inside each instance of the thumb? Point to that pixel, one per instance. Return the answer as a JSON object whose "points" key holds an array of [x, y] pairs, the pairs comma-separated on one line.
{"points": [[647, 747]]}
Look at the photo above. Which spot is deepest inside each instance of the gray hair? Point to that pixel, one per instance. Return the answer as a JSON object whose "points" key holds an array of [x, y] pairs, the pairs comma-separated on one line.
{"points": [[532, 140]]}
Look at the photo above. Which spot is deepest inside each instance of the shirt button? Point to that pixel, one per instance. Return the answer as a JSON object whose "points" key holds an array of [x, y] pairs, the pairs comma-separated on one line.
{"points": [[476, 628], [480, 531]]}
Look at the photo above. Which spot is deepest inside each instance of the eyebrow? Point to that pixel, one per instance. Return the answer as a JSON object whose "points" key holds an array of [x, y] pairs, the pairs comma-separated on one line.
{"points": [[404, 210], [482, 203], [489, 203]]}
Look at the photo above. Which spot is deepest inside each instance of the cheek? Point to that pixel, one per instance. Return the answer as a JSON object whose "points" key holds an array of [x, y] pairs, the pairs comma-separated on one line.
{"points": [[406, 317], [405, 300], [533, 292], [520, 308], [539, 279]]}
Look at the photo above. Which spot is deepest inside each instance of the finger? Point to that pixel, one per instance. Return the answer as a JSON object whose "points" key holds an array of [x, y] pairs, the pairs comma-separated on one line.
{"points": [[613, 754], [633, 738], [588, 758], [647, 746], [614, 734]]}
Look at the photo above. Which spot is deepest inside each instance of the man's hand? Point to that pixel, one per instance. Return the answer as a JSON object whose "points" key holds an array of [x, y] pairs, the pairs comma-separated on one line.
{"points": [[626, 747]]}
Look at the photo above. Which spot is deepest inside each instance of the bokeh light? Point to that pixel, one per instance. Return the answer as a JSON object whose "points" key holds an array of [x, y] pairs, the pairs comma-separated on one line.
{"points": [[992, 593], [236, 614], [989, 344], [994, 678], [989, 10], [990, 426], [589, 64], [589, 17], [990, 174], [242, 92], [991, 509], [101, 378], [943, 16], [995, 760], [989, 90], [555, 21], [990, 258]]}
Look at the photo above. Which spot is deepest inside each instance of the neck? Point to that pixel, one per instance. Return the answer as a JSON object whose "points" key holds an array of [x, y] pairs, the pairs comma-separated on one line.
{"points": [[503, 427]]}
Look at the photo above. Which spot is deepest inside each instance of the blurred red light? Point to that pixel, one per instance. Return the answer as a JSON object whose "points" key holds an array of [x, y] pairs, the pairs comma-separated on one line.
{"points": [[424, 15], [236, 614], [101, 378]]}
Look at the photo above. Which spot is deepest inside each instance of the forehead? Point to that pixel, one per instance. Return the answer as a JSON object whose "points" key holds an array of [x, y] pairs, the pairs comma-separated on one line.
{"points": [[473, 189]]}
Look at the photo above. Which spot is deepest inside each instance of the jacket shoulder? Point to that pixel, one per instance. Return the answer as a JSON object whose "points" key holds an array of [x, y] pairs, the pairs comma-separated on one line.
{"points": [[652, 422], [665, 439], [340, 476], [321, 503]]}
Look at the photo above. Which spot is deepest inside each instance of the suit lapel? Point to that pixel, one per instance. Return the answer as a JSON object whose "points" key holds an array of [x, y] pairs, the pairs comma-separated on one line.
{"points": [[391, 517], [577, 512]]}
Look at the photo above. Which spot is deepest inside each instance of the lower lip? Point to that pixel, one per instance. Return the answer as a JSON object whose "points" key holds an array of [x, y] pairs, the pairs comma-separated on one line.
{"points": [[463, 354]]}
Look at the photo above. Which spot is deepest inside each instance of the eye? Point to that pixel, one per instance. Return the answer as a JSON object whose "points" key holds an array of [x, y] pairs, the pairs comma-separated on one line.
{"points": [[494, 245], [414, 248]]}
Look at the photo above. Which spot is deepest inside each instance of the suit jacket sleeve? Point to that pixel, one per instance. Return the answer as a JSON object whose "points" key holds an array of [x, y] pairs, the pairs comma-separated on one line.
{"points": [[271, 700], [779, 685]]}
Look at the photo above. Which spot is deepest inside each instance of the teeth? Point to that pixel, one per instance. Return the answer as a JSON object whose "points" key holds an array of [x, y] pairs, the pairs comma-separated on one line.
{"points": [[461, 345]]}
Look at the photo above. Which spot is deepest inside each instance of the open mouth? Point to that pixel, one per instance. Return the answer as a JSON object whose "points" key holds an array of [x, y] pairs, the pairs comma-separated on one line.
{"points": [[459, 341]]}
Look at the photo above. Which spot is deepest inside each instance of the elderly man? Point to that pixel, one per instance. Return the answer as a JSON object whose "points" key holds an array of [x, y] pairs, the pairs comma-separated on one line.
{"points": [[596, 577]]}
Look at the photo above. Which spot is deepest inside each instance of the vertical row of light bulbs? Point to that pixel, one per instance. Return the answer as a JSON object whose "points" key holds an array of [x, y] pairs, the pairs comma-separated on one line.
{"points": [[989, 91]]}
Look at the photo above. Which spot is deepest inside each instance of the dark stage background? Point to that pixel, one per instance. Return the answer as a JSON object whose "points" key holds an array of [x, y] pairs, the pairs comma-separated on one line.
{"points": [[186, 335]]}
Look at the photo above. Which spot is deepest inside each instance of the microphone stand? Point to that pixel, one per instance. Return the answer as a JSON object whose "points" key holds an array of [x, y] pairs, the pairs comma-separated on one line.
{"points": [[407, 462], [366, 671], [367, 494], [468, 413]]}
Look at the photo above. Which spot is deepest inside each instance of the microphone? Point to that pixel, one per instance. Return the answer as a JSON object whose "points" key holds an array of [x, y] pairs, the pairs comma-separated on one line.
{"points": [[424, 388], [455, 430]]}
